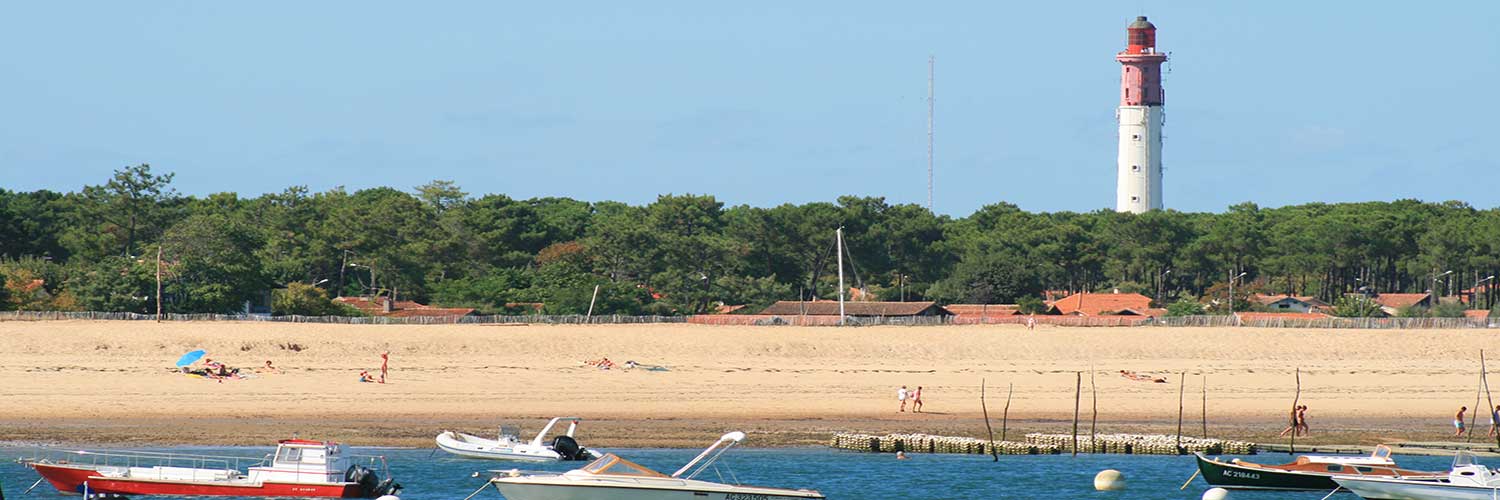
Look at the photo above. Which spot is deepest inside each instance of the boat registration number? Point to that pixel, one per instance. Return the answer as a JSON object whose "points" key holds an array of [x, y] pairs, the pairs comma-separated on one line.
{"points": [[745, 496], [1241, 475]]}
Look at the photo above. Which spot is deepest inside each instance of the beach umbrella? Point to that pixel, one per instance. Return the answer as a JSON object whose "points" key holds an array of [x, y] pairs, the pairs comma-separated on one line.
{"points": [[191, 357]]}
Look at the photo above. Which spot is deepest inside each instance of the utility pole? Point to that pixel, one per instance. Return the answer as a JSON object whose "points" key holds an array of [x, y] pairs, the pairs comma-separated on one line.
{"points": [[158, 283], [839, 237], [931, 64]]}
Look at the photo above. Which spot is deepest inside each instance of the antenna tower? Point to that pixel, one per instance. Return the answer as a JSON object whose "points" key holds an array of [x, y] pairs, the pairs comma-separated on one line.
{"points": [[931, 62]]}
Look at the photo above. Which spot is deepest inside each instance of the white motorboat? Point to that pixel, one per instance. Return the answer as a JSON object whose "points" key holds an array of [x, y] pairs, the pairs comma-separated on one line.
{"points": [[509, 445], [1467, 481], [614, 478]]}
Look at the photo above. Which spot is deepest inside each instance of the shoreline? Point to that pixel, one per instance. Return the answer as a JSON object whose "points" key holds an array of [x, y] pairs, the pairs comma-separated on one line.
{"points": [[102, 382]]}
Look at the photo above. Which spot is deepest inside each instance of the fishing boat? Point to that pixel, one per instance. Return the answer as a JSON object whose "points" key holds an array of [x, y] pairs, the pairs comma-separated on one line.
{"points": [[299, 469], [508, 445], [1466, 481], [614, 478], [1308, 472]]}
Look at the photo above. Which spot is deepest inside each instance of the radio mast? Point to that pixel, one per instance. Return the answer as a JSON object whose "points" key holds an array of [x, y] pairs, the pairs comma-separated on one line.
{"points": [[931, 62]]}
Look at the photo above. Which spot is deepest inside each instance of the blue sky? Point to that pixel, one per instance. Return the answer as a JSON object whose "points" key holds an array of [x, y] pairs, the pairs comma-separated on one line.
{"points": [[762, 103]]}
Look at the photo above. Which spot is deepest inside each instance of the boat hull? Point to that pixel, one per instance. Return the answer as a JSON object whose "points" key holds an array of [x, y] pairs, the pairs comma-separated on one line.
{"points": [[515, 491], [1230, 476], [1378, 489], [72, 479]]}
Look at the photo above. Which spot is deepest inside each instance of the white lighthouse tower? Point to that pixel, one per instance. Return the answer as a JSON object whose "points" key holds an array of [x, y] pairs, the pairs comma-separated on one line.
{"points": [[1140, 116]]}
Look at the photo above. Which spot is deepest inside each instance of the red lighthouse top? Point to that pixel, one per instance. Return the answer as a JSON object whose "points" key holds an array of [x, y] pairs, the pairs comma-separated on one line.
{"points": [[1142, 38], [1140, 81]]}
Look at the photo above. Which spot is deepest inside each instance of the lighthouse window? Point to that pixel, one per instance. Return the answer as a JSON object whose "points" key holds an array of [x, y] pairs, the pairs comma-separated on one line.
{"points": [[1135, 137], [1135, 168], [1135, 199]]}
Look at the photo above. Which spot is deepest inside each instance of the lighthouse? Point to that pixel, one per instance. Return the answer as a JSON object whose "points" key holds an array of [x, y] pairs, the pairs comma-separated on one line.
{"points": [[1141, 118]]}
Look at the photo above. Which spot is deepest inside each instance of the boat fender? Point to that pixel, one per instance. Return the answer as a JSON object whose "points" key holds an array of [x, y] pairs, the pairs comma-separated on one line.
{"points": [[1216, 494], [389, 497]]}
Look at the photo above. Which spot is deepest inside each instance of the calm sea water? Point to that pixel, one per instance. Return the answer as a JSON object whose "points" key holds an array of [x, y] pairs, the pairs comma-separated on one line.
{"points": [[839, 475]]}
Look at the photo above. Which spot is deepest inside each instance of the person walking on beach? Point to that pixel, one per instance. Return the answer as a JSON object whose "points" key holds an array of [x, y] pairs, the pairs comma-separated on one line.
{"points": [[385, 360], [1030, 322], [916, 400], [901, 396], [1458, 421], [1302, 419], [1291, 422], [1494, 421]]}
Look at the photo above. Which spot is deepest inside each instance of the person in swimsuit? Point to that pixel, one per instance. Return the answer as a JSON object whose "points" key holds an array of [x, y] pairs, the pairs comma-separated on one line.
{"points": [[1458, 421], [1302, 419], [385, 360], [916, 400], [1291, 422]]}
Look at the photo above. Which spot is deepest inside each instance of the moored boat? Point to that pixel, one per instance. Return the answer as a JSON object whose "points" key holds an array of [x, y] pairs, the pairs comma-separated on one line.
{"points": [[1466, 481], [509, 446], [614, 478], [299, 469], [1307, 472]]}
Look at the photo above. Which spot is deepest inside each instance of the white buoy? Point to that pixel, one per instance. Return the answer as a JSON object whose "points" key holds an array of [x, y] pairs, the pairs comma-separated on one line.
{"points": [[1109, 480], [1216, 494], [389, 497]]}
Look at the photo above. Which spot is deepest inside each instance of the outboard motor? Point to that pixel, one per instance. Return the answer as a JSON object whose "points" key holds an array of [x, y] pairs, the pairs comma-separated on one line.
{"points": [[567, 448], [367, 480]]}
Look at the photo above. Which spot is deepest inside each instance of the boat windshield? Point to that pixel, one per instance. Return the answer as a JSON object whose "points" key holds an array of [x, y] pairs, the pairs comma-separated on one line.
{"points": [[612, 464], [1463, 458], [1382, 452]]}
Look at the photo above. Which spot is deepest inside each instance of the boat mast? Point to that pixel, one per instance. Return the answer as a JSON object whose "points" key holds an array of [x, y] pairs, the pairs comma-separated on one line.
{"points": [[839, 237]]}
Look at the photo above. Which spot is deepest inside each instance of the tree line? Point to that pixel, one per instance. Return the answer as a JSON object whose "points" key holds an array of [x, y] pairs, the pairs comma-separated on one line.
{"points": [[96, 249]]}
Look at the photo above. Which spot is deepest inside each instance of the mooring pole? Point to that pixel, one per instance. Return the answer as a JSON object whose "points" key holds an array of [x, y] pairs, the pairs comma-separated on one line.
{"points": [[1005, 417], [983, 407], [1296, 399], [1094, 421], [1205, 406], [1077, 395], [1181, 390]]}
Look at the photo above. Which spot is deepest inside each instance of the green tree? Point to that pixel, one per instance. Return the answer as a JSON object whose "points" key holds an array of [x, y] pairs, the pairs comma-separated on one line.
{"points": [[1185, 307], [210, 265], [302, 299], [1356, 307], [129, 208], [986, 279]]}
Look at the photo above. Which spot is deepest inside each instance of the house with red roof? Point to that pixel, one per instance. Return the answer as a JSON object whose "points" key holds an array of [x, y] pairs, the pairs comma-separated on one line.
{"points": [[1105, 304], [1392, 303], [384, 306]]}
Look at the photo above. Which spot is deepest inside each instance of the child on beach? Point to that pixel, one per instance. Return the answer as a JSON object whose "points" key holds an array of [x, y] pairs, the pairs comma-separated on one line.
{"points": [[901, 396], [385, 359], [364, 376], [1458, 421]]}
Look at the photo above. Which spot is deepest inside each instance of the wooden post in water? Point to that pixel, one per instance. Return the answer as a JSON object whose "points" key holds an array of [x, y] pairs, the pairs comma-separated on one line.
{"points": [[1181, 390], [1205, 406], [1005, 417], [1296, 399], [1077, 395], [993, 453], [1478, 391], [1484, 375], [1094, 421]]}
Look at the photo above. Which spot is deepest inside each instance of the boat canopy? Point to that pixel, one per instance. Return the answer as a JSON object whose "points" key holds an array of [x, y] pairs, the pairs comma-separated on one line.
{"points": [[613, 465]]}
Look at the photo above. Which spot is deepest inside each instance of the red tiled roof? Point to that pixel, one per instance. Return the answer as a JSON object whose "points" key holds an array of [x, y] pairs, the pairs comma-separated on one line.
{"points": [[400, 308], [1399, 300], [1271, 299], [1096, 304], [983, 309], [726, 308], [831, 308]]}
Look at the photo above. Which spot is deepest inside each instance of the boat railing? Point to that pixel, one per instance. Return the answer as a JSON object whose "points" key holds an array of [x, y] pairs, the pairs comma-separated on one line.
{"points": [[151, 464]]}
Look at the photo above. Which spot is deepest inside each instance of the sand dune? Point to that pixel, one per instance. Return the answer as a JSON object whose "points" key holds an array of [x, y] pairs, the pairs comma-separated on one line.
{"points": [[109, 381]]}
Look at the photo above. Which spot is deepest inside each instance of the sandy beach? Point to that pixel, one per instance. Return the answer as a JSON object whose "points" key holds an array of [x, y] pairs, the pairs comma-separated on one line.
{"points": [[111, 382]]}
